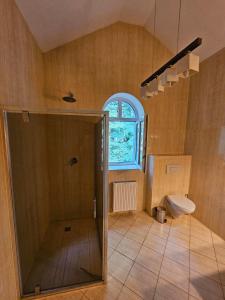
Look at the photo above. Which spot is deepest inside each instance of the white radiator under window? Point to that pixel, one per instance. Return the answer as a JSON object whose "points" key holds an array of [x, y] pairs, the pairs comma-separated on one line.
{"points": [[124, 196]]}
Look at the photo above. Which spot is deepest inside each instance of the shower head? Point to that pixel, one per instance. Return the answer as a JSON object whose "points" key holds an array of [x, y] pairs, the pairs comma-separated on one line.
{"points": [[69, 98]]}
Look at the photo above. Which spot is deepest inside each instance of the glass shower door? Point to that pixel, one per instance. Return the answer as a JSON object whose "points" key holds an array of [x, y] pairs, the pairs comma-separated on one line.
{"points": [[58, 166]]}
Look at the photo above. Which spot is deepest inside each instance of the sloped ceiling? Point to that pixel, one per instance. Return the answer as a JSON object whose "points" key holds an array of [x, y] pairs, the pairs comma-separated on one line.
{"points": [[56, 22]]}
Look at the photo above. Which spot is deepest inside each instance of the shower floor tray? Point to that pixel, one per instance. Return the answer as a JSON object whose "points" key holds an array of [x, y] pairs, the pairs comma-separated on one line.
{"points": [[69, 255]]}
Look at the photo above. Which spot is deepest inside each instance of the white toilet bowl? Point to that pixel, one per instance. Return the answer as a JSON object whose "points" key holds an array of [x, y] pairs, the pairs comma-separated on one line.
{"points": [[179, 205]]}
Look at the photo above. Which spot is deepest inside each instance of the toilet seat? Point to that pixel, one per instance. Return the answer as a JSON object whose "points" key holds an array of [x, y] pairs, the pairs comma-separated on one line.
{"points": [[181, 203]]}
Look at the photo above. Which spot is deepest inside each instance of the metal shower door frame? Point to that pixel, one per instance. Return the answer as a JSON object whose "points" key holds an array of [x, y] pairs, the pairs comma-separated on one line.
{"points": [[88, 113]]}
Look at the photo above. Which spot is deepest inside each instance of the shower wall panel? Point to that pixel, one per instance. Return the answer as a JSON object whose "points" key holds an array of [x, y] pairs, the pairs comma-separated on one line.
{"points": [[71, 159], [30, 185]]}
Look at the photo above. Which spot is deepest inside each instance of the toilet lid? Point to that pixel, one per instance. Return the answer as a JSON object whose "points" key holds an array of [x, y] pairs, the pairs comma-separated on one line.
{"points": [[182, 202]]}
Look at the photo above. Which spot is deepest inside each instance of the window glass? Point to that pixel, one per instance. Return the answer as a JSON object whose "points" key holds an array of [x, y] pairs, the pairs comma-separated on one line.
{"points": [[113, 109], [127, 111], [126, 136], [122, 142]]}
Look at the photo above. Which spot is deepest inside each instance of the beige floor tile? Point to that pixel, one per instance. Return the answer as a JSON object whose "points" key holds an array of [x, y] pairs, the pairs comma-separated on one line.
{"points": [[196, 230], [140, 228], [110, 252], [204, 265], [175, 273], [192, 298], [126, 222], [165, 226], [204, 288], [201, 232], [218, 241], [184, 220], [127, 218], [114, 238], [74, 295], [144, 221], [220, 254], [148, 220], [150, 259], [120, 229], [119, 266], [138, 232], [197, 223], [155, 243], [204, 236], [121, 226], [179, 239], [127, 294], [180, 229], [202, 247], [134, 236], [161, 230], [221, 268], [167, 291], [112, 219], [177, 253], [144, 218], [142, 282], [110, 291], [128, 247]]}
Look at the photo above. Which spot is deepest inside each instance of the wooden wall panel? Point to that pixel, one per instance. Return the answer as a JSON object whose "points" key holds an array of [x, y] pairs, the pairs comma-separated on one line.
{"points": [[205, 141], [21, 86], [8, 267], [21, 64], [167, 120], [71, 187], [30, 185], [116, 59]]}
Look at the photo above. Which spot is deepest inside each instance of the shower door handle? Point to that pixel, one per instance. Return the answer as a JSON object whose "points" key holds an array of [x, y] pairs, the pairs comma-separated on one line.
{"points": [[95, 208]]}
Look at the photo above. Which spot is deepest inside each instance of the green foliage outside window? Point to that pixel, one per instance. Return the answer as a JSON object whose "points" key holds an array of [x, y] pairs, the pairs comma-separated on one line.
{"points": [[122, 139]]}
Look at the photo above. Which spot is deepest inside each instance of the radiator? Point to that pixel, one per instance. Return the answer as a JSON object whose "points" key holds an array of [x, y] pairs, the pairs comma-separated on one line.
{"points": [[124, 196]]}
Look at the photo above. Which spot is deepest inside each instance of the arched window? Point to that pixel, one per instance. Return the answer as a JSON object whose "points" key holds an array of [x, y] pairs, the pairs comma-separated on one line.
{"points": [[126, 131]]}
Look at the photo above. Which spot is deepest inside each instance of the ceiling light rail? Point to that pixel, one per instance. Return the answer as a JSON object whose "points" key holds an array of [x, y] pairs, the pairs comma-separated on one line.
{"points": [[182, 65]]}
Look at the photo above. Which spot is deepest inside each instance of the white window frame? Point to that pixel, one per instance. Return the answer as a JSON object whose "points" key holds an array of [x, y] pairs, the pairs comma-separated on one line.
{"points": [[135, 164]]}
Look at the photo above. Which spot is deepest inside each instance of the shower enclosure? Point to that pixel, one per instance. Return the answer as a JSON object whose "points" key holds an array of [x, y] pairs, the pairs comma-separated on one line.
{"points": [[58, 169]]}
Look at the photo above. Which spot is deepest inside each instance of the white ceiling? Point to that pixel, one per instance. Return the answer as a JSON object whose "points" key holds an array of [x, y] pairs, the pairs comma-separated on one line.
{"points": [[56, 22]]}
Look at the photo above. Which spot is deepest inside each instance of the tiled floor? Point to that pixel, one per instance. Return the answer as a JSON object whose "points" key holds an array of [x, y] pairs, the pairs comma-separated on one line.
{"points": [[181, 259]]}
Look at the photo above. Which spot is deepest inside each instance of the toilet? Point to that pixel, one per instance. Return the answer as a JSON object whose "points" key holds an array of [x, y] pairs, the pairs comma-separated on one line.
{"points": [[178, 205]]}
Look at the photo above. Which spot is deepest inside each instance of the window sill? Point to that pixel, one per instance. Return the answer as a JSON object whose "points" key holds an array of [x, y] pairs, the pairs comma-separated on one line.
{"points": [[124, 167]]}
